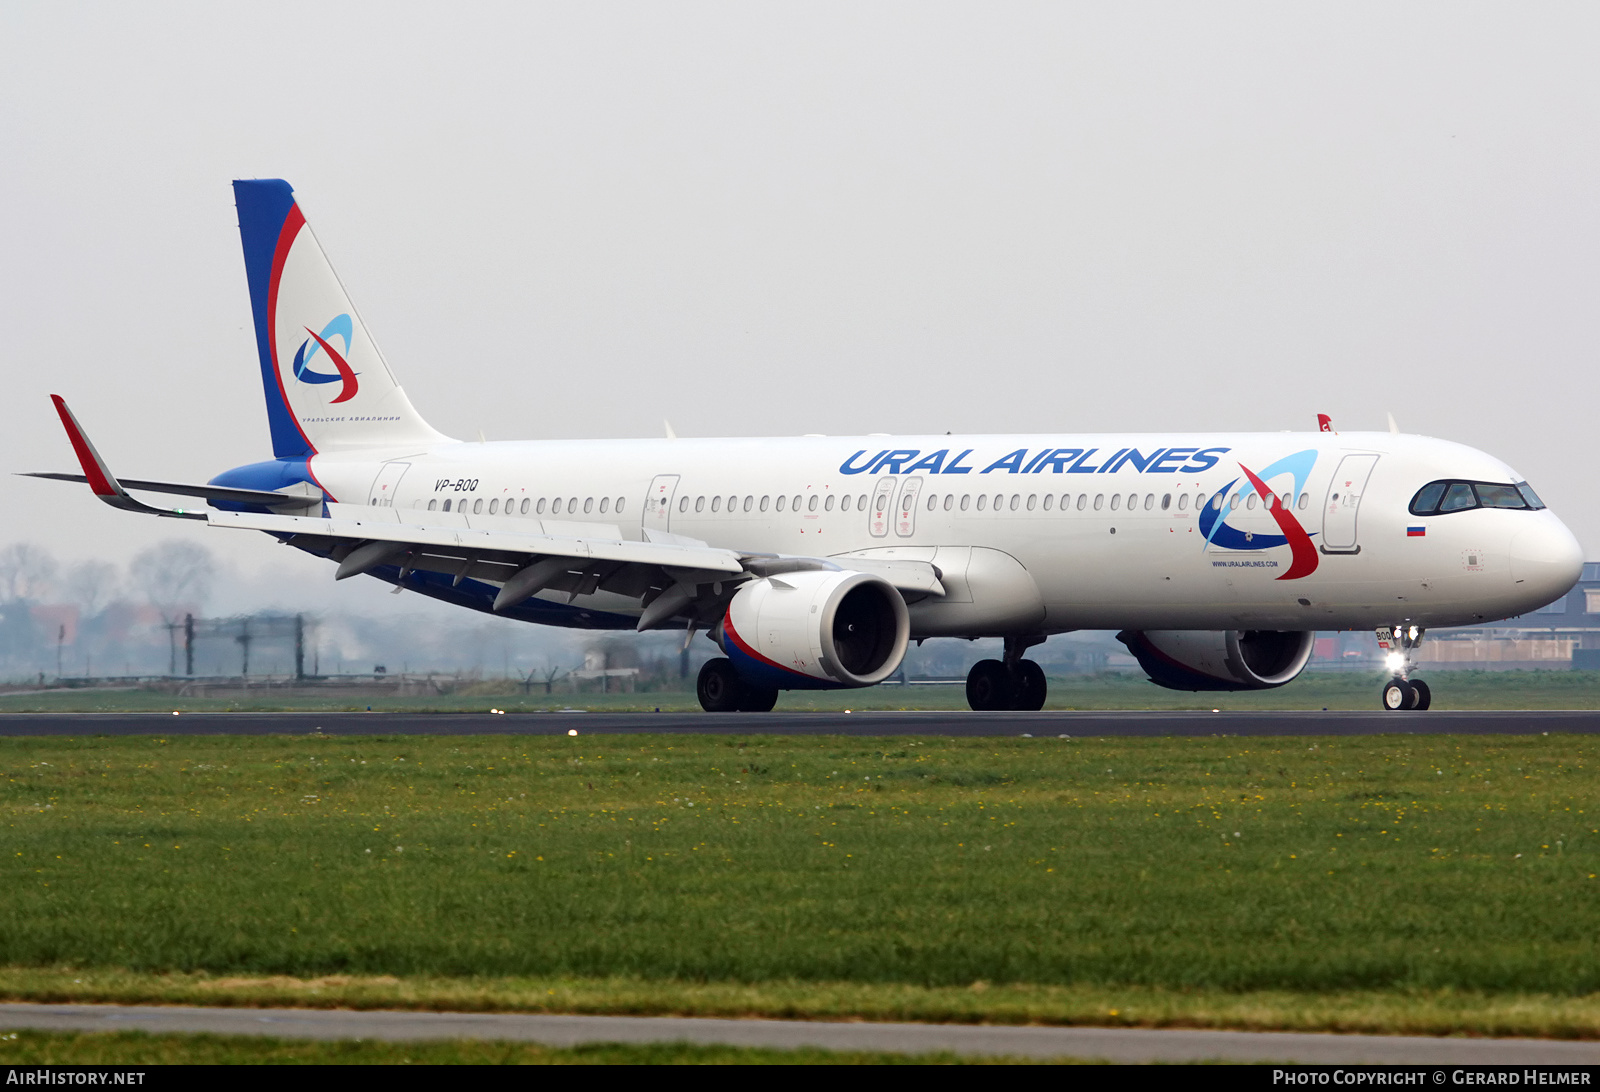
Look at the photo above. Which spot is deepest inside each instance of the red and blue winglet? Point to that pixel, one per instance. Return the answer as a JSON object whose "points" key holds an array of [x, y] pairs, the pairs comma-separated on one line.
{"points": [[101, 480]]}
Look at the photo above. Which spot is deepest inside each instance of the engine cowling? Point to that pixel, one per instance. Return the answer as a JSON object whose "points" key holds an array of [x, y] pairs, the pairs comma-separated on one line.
{"points": [[1229, 659], [819, 630]]}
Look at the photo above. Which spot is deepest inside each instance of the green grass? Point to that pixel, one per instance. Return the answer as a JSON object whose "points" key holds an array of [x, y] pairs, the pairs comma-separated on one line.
{"points": [[132, 1048], [1451, 690], [1214, 867]]}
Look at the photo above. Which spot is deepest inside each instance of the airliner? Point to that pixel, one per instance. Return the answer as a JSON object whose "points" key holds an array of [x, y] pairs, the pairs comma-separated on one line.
{"points": [[812, 562]]}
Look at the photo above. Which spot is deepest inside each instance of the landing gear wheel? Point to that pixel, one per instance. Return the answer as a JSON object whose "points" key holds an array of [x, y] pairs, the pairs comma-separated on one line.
{"points": [[1424, 695], [989, 686], [1399, 694], [1029, 686], [719, 688], [758, 700]]}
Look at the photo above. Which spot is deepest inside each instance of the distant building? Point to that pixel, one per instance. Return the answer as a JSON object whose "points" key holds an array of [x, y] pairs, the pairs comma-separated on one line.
{"points": [[1562, 634]]}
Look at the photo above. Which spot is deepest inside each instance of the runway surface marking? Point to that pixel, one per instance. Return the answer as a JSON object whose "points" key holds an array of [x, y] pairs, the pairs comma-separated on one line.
{"points": [[1046, 724], [1110, 1044]]}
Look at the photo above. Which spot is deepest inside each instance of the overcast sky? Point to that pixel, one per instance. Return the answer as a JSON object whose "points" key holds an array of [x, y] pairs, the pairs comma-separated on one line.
{"points": [[575, 220]]}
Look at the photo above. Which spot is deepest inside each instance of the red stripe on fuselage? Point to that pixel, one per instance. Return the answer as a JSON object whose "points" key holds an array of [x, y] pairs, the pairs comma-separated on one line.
{"points": [[1303, 555]]}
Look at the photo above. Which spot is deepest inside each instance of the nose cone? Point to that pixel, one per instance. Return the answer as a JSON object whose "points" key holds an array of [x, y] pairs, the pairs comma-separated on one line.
{"points": [[1546, 560]]}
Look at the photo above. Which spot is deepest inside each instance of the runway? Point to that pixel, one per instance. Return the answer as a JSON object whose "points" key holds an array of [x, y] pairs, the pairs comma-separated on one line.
{"points": [[1046, 724], [1105, 1044]]}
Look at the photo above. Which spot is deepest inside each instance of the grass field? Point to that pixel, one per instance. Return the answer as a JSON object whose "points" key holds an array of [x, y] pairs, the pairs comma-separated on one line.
{"points": [[1451, 690], [136, 1048], [1416, 883]]}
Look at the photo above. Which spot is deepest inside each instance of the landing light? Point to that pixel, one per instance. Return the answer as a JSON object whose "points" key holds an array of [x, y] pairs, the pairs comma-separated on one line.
{"points": [[1395, 661]]}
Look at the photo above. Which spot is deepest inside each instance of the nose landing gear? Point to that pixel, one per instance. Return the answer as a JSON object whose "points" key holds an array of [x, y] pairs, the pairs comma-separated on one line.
{"points": [[1014, 683], [1403, 692]]}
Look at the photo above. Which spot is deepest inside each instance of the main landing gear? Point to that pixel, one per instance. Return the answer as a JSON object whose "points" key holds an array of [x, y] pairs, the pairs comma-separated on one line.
{"points": [[1013, 683], [720, 690], [1402, 691]]}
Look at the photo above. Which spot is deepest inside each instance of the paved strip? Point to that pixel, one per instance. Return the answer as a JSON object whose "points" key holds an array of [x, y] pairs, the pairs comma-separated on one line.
{"points": [[907, 723], [1110, 1044]]}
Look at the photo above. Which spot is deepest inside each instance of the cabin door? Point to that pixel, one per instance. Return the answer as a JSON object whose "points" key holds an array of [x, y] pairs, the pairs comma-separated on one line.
{"points": [[1343, 504]]}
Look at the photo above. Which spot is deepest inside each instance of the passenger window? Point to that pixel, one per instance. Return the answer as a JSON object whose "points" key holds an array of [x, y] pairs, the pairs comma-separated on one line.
{"points": [[795, 503], [827, 505], [764, 501], [494, 504], [539, 509], [1083, 499], [983, 499], [1500, 496], [964, 498], [1032, 498], [1286, 500], [1237, 497], [555, 507], [949, 501], [699, 504], [716, 504], [1015, 500], [933, 501], [811, 505], [749, 502], [1166, 501], [683, 504], [1116, 501], [525, 505], [1099, 499], [781, 501], [605, 502], [1458, 498], [999, 502], [432, 505], [1149, 501], [1049, 501], [1183, 502], [733, 503], [1305, 499], [477, 506], [620, 502], [1250, 502], [447, 506]]}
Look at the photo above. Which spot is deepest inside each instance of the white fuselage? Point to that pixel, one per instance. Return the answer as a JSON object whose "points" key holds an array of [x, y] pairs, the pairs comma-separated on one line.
{"points": [[1033, 534]]}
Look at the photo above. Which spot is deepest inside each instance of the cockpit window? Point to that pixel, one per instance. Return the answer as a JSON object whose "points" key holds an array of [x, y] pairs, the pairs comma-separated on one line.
{"points": [[1500, 496], [1438, 498], [1427, 498], [1458, 497]]}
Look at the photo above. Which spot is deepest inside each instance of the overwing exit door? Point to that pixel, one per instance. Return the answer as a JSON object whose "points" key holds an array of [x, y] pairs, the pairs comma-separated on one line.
{"points": [[1344, 503], [657, 515]]}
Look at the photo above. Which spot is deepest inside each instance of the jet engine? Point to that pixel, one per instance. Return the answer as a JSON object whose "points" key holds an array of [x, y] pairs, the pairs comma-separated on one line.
{"points": [[1229, 659], [815, 630]]}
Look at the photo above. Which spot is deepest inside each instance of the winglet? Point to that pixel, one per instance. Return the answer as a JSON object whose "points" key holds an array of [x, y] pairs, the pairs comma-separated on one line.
{"points": [[101, 480]]}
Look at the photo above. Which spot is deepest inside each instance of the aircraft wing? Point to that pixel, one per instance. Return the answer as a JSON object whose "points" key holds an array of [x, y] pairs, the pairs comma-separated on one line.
{"points": [[668, 577], [183, 489]]}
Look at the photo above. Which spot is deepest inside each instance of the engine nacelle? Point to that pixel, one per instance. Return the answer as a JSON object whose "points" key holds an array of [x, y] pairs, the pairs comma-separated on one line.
{"points": [[1229, 659], [817, 630]]}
